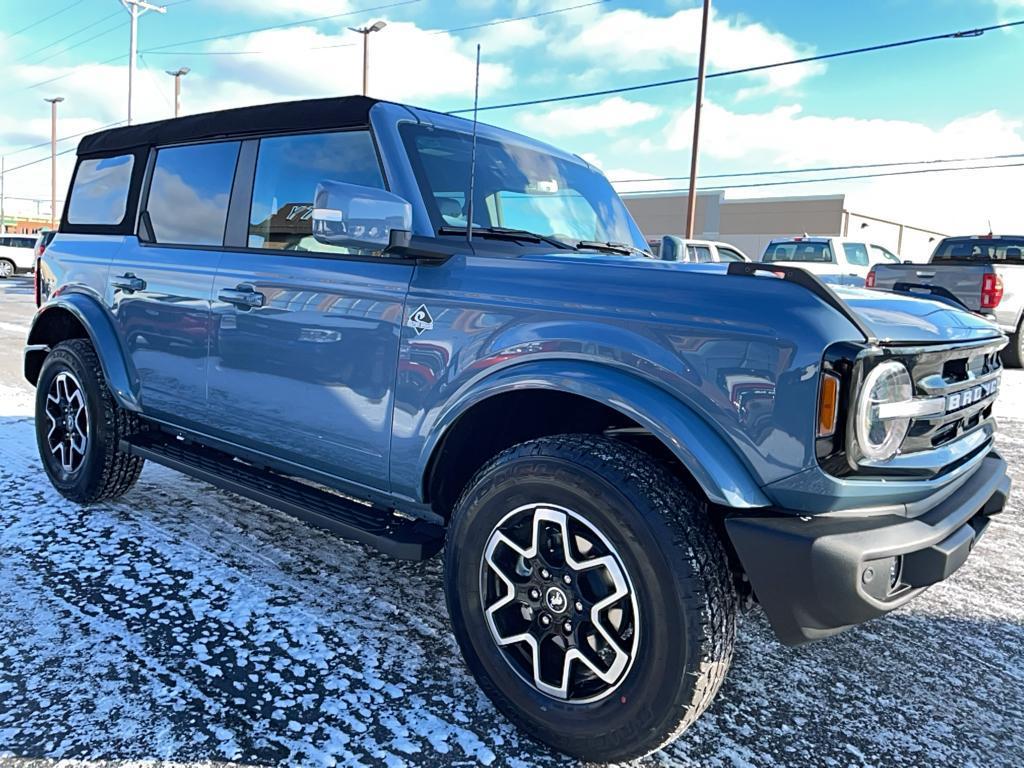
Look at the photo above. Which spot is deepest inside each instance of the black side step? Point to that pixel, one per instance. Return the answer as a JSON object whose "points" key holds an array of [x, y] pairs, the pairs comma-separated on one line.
{"points": [[378, 527]]}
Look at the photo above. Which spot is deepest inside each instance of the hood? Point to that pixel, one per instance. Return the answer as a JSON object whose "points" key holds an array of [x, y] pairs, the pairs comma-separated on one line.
{"points": [[896, 318]]}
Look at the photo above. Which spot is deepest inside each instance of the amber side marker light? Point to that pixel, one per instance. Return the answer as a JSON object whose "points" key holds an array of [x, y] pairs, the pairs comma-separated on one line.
{"points": [[828, 405]]}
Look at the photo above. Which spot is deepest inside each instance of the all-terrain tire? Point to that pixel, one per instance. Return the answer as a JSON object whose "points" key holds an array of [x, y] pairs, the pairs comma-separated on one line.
{"points": [[1013, 353], [686, 601], [105, 472]]}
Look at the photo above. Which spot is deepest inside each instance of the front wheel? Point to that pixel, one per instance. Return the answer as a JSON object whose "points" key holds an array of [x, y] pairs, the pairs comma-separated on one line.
{"points": [[590, 596], [7, 269]]}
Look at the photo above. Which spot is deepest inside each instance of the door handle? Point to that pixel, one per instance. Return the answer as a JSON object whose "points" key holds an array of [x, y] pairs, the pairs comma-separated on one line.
{"points": [[244, 296], [128, 283], [926, 275]]}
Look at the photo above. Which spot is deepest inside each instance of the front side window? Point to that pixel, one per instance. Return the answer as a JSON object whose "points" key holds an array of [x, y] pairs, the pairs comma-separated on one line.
{"points": [[288, 169], [100, 191], [516, 187], [856, 254], [189, 192]]}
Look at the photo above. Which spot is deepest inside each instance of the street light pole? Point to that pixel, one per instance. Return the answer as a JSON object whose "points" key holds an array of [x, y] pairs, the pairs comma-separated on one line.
{"points": [[136, 8], [177, 74], [53, 158], [377, 26], [691, 199]]}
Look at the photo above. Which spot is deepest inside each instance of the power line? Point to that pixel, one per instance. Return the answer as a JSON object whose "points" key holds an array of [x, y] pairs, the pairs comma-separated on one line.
{"points": [[832, 178], [37, 22], [72, 34], [279, 26], [80, 43], [63, 138], [820, 169], [40, 160], [492, 23], [747, 70], [111, 60]]}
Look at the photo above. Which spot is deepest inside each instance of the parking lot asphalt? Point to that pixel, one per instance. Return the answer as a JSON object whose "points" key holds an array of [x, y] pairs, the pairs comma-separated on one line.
{"points": [[182, 623]]}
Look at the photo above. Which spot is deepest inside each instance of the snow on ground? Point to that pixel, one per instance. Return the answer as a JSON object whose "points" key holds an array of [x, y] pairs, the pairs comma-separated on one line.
{"points": [[182, 623]]}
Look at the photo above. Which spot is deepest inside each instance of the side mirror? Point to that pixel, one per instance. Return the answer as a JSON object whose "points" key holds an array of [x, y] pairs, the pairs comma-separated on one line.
{"points": [[672, 248], [353, 216]]}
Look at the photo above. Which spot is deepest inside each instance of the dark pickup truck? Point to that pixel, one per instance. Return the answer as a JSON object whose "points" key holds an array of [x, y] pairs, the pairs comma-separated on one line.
{"points": [[613, 451], [984, 273]]}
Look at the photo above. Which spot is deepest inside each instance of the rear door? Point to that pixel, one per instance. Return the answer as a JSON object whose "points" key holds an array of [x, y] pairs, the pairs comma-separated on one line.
{"points": [[858, 263], [161, 284], [306, 346]]}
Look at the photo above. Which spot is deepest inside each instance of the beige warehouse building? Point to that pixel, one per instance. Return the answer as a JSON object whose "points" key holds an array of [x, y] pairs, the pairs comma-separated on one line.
{"points": [[750, 223]]}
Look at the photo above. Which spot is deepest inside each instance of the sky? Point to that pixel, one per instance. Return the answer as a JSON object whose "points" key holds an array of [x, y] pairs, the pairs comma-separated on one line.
{"points": [[958, 98]]}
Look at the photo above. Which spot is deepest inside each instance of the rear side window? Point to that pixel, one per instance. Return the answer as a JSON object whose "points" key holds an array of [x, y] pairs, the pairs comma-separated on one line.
{"points": [[100, 192], [288, 168], [189, 192], [699, 254], [856, 254]]}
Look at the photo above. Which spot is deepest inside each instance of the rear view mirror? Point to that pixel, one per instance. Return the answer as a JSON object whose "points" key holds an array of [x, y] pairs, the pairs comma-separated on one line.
{"points": [[672, 249], [353, 216]]}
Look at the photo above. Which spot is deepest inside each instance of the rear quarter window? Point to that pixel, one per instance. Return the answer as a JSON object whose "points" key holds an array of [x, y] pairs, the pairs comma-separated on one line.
{"points": [[99, 195]]}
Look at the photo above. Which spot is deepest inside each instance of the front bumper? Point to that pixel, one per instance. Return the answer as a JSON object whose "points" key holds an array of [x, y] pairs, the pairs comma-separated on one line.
{"points": [[818, 575]]}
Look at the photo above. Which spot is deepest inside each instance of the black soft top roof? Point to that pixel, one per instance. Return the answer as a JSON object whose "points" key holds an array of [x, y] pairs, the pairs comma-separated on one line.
{"points": [[307, 115]]}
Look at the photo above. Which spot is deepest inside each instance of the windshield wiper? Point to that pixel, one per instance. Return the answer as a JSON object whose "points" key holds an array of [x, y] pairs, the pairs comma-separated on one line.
{"points": [[623, 248], [507, 233]]}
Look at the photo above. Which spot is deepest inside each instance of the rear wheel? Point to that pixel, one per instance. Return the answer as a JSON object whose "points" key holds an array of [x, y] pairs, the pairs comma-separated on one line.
{"points": [[7, 269], [590, 596], [79, 427], [1013, 353]]}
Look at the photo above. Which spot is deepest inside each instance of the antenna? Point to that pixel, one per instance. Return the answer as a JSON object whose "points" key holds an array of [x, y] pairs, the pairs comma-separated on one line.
{"points": [[472, 154]]}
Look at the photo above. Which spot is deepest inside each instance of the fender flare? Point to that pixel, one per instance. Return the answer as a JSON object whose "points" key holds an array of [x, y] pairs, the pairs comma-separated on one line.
{"points": [[118, 370], [713, 463]]}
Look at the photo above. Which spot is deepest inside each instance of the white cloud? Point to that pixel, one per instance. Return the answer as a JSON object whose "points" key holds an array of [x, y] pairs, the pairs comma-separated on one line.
{"points": [[630, 40], [610, 114], [786, 137], [307, 9]]}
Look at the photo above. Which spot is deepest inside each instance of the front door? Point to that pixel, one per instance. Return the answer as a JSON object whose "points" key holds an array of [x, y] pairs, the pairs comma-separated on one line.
{"points": [[305, 351], [161, 284]]}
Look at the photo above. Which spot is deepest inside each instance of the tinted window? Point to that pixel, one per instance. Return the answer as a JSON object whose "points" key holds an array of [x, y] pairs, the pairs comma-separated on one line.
{"points": [[856, 254], [981, 249], [728, 254], [100, 193], [288, 169], [188, 196], [799, 251], [23, 242]]}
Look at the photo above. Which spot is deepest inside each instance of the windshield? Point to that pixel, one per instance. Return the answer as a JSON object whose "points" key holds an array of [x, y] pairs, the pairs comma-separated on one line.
{"points": [[981, 249], [516, 187], [799, 250]]}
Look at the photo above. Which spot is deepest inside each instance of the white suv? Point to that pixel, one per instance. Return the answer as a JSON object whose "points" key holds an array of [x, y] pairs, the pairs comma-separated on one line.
{"points": [[17, 254], [836, 260]]}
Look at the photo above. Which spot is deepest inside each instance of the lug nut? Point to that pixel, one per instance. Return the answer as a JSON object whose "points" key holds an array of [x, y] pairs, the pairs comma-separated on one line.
{"points": [[579, 607], [567, 627], [545, 619], [567, 579], [534, 593], [544, 573]]}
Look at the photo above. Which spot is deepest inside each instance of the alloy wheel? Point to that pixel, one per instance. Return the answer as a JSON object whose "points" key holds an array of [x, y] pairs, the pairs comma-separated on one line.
{"points": [[68, 436], [559, 603]]}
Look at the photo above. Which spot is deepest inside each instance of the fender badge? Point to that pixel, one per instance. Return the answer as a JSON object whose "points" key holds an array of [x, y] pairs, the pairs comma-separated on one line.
{"points": [[420, 320]]}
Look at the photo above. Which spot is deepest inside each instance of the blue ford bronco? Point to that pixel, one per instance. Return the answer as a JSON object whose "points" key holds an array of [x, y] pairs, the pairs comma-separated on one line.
{"points": [[314, 305]]}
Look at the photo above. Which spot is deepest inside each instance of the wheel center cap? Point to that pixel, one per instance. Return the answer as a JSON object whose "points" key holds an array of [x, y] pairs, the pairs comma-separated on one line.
{"points": [[556, 600]]}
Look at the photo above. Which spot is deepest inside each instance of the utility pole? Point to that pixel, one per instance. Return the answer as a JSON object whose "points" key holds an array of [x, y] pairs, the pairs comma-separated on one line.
{"points": [[177, 74], [377, 26], [53, 158], [691, 199], [3, 172], [136, 8]]}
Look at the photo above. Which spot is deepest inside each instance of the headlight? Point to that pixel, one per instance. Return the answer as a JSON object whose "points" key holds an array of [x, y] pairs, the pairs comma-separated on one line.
{"points": [[880, 430]]}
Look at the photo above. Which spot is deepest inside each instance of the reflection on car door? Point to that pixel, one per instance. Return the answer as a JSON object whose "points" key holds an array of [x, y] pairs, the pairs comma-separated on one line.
{"points": [[161, 289], [306, 348]]}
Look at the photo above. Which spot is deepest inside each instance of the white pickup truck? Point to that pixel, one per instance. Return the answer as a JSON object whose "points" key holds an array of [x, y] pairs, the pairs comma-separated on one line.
{"points": [[836, 260], [985, 273]]}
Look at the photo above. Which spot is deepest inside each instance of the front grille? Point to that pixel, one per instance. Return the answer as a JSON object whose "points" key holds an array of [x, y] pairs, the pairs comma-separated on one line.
{"points": [[946, 372]]}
